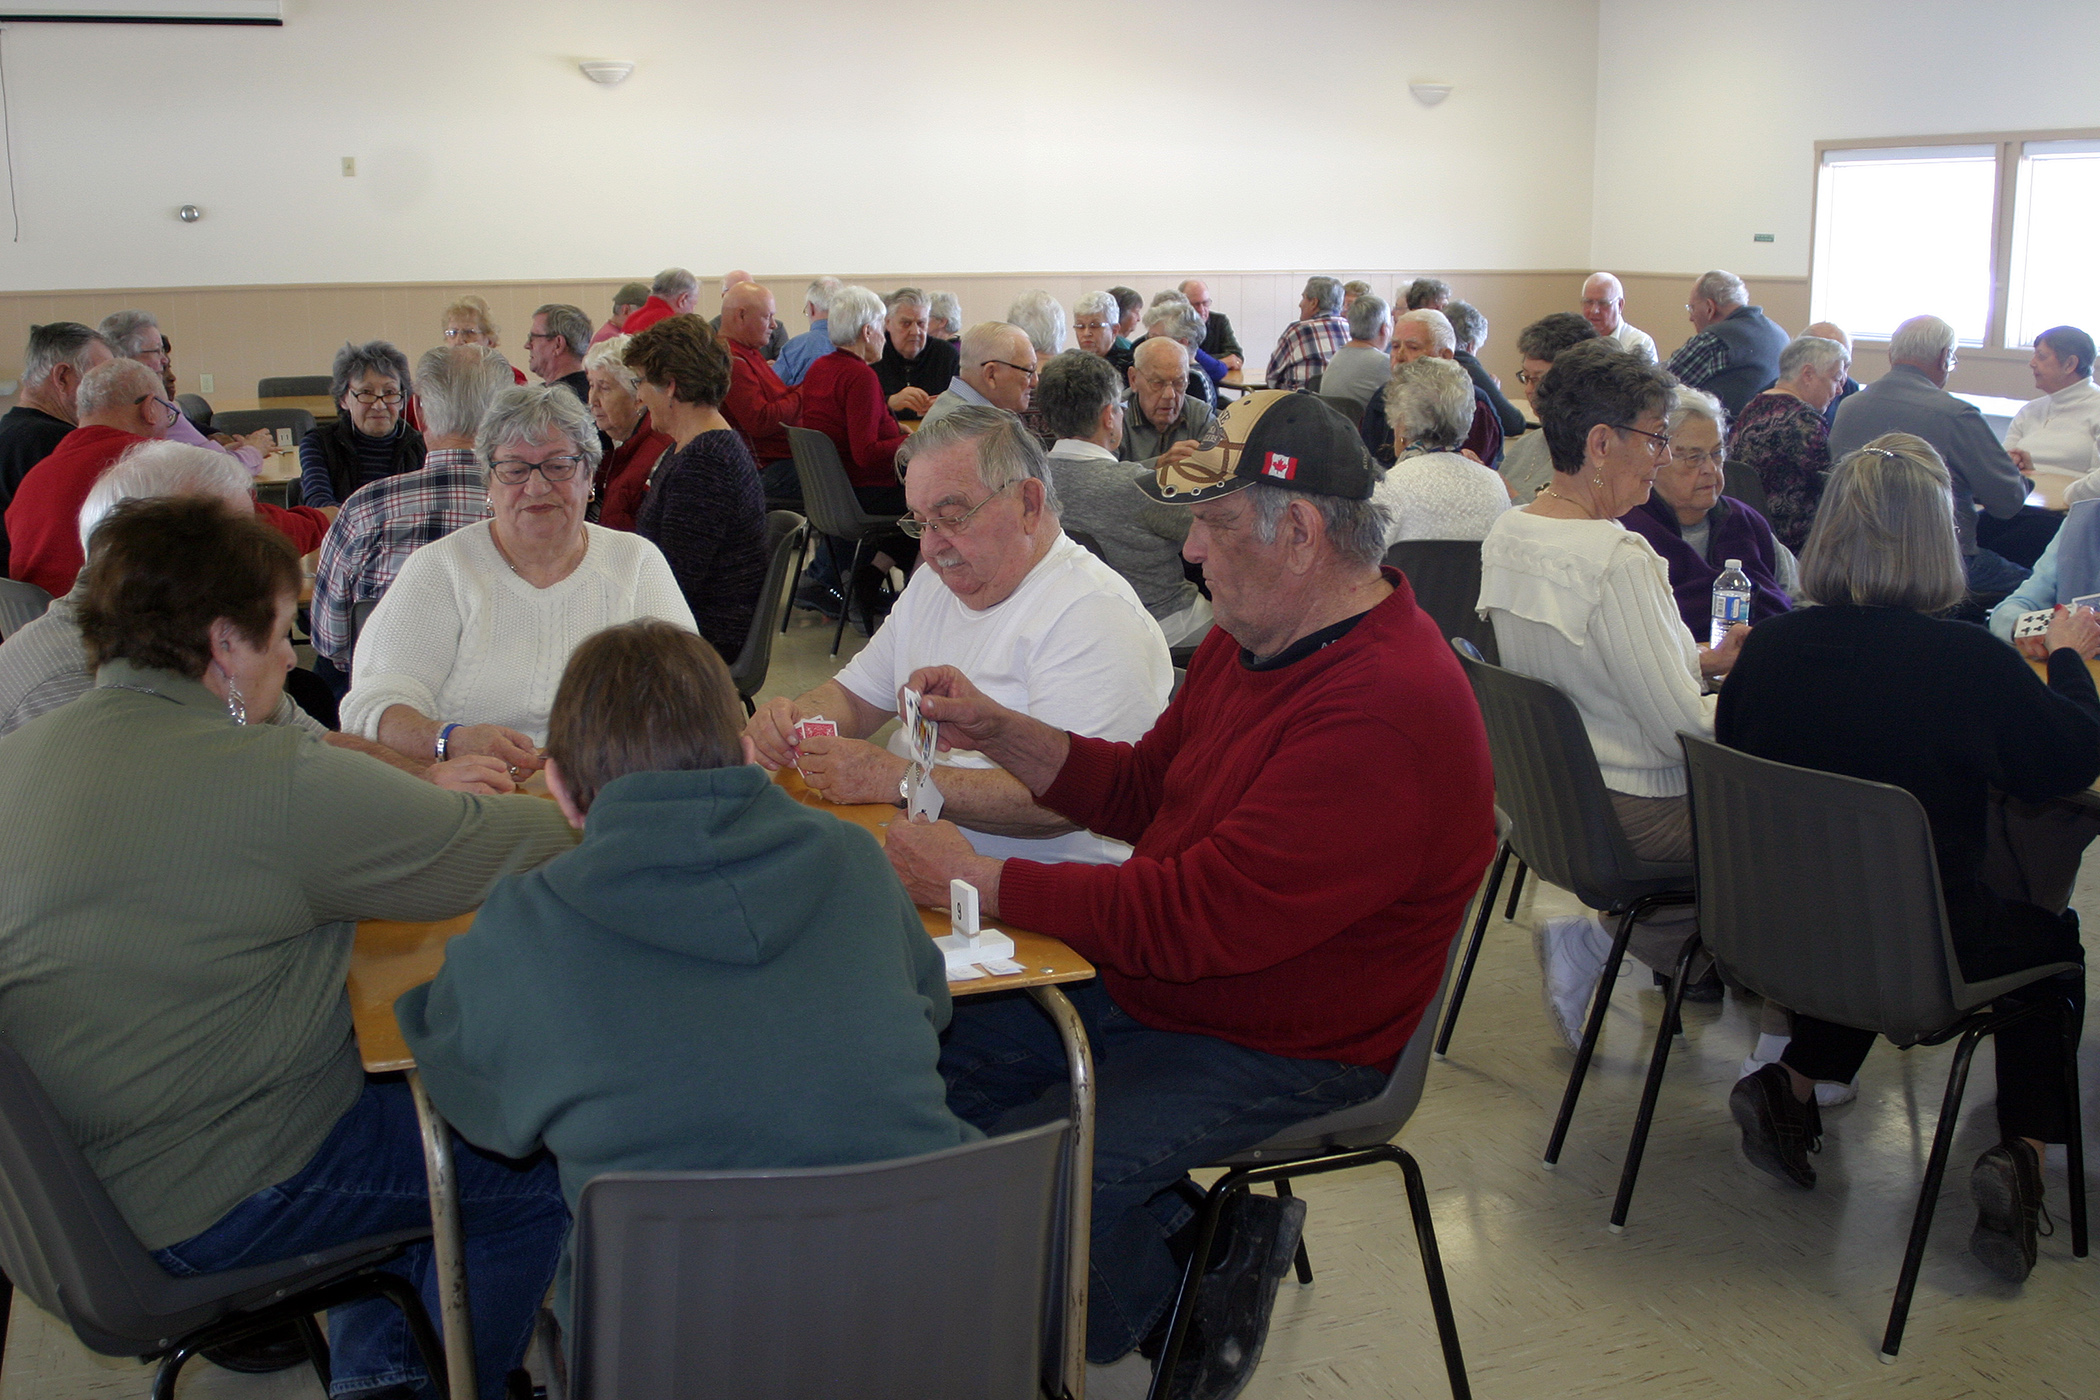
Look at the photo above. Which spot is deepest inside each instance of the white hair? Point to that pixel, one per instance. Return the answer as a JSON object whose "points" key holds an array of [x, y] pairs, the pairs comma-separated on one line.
{"points": [[852, 310], [1097, 304], [943, 307], [607, 355], [1810, 352], [115, 382], [1722, 288], [1043, 317], [820, 292], [131, 333], [1441, 336], [1429, 403], [1687, 402], [1921, 340], [164, 468]]}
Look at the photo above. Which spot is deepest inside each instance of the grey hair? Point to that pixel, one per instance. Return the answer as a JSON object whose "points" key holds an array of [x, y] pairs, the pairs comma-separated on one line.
{"points": [[1468, 327], [59, 343], [1884, 533], [1921, 340], [455, 386], [947, 310], [1043, 317], [1355, 529], [908, 296], [1006, 451], [163, 468], [1097, 304], [987, 341], [606, 355], [1809, 352], [107, 385], [534, 413], [1325, 293], [1725, 288], [1353, 289], [1687, 402], [1430, 403], [631, 295], [673, 282], [851, 310], [1175, 319], [1441, 336], [131, 333], [372, 357], [1366, 315], [1072, 391], [820, 292], [569, 323], [1423, 290]]}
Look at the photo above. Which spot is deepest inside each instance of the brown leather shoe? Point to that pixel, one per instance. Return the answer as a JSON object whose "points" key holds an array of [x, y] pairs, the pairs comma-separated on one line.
{"points": [[1779, 1131], [2007, 1184]]}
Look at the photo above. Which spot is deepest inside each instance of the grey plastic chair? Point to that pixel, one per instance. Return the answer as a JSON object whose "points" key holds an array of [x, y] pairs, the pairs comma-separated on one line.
{"points": [[197, 409], [1352, 409], [20, 604], [1563, 827], [1821, 893], [827, 496], [1445, 575], [785, 532], [1086, 541], [247, 420], [293, 386], [63, 1243], [926, 1278], [1740, 480], [1354, 1137]]}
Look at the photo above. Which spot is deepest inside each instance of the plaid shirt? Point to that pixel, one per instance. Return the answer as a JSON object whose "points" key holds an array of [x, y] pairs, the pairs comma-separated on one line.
{"points": [[1304, 350], [381, 525], [1699, 359]]}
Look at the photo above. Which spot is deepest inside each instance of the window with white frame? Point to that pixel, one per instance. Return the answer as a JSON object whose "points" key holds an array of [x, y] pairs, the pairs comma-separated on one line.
{"points": [[1902, 231], [2056, 213]]}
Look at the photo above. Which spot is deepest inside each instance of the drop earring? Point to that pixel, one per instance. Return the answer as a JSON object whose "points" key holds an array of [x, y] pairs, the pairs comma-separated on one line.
{"points": [[236, 706]]}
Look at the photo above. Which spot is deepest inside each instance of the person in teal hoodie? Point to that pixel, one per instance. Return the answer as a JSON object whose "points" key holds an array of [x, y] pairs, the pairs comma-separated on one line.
{"points": [[716, 977]]}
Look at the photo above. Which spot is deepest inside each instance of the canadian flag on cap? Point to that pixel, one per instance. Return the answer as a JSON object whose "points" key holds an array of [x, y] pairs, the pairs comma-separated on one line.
{"points": [[1279, 466]]}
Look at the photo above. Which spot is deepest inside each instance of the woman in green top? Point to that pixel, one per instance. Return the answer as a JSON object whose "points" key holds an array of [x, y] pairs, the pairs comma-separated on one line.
{"points": [[177, 895]]}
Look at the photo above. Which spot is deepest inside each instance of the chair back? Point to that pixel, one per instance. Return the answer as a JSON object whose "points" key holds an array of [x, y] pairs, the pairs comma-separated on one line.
{"points": [[1822, 893], [294, 386], [827, 492], [197, 409], [63, 1242], [920, 1279], [20, 604], [1085, 541], [1740, 480], [1352, 409], [784, 535], [360, 614], [1546, 779], [1445, 575], [247, 420]]}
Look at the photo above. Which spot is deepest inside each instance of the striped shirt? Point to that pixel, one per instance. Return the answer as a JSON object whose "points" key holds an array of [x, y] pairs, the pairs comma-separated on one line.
{"points": [[385, 522]]}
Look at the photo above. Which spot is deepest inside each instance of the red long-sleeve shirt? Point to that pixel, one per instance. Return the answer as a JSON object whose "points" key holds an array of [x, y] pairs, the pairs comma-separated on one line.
{"points": [[1306, 839], [842, 398], [43, 520], [758, 405]]}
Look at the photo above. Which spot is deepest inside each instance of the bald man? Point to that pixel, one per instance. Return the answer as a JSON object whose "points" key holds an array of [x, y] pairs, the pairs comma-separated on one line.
{"points": [[1218, 340], [1831, 330], [1603, 306], [776, 338], [998, 371], [758, 405]]}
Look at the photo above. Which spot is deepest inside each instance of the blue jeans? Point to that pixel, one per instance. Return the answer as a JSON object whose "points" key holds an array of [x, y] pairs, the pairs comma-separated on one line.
{"points": [[1166, 1102], [1992, 575], [368, 1179]]}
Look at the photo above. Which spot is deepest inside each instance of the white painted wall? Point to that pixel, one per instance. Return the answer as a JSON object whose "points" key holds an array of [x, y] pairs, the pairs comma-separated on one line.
{"points": [[1709, 110], [958, 135]]}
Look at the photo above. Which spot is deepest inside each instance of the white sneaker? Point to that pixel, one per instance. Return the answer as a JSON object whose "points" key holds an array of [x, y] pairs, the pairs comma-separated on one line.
{"points": [[1572, 949], [1829, 1093]]}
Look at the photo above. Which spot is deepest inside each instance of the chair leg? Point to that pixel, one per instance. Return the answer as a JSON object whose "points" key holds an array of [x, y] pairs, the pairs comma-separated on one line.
{"points": [[1929, 1192], [402, 1294], [1656, 1064], [1465, 967], [1433, 1274], [2074, 1140], [846, 595], [1516, 892], [1191, 1279], [316, 1348], [787, 611], [7, 1307], [1600, 1002], [170, 1367], [1304, 1260]]}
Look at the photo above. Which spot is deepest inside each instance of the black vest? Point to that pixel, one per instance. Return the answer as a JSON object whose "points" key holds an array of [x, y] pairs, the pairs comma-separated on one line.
{"points": [[346, 468]]}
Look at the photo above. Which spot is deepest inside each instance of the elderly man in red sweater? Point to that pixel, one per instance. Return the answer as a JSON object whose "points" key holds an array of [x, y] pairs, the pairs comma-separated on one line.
{"points": [[759, 406], [1311, 815]]}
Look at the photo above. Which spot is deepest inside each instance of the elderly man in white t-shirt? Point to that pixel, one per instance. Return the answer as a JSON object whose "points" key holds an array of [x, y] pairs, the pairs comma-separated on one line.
{"points": [[1035, 620]]}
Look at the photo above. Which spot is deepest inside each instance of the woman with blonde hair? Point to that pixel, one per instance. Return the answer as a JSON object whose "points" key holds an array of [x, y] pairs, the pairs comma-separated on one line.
{"points": [[1872, 682]]}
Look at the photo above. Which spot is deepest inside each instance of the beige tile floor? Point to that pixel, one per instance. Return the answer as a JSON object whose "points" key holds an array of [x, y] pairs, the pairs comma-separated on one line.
{"points": [[1724, 1285]]}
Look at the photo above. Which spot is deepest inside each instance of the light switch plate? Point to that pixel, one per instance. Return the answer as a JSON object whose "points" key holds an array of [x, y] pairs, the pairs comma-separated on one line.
{"points": [[204, 384]]}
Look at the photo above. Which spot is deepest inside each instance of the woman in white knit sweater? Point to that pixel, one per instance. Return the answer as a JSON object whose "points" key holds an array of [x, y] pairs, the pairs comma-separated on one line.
{"points": [[1579, 600], [1432, 492], [464, 652]]}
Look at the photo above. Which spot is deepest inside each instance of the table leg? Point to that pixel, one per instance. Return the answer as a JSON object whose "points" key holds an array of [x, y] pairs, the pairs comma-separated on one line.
{"points": [[449, 1258], [1080, 1166]]}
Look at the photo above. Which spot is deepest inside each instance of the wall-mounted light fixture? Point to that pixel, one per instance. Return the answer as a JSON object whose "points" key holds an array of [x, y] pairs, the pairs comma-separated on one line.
{"points": [[1429, 94], [189, 213], [609, 71]]}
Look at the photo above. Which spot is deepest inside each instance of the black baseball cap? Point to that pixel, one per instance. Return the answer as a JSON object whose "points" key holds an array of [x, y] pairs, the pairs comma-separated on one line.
{"points": [[1279, 436]]}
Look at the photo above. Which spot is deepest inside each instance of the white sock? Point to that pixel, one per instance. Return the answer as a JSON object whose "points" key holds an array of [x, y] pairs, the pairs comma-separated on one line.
{"points": [[1770, 1048]]}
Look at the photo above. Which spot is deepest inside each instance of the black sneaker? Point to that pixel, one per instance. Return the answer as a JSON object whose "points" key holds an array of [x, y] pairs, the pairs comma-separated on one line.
{"points": [[812, 596], [1236, 1295], [2007, 1184], [1779, 1131], [1706, 990]]}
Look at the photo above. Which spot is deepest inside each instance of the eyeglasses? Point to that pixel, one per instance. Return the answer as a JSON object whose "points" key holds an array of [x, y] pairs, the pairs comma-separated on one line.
{"points": [[458, 332], [1699, 456], [391, 398], [1658, 443], [1017, 369], [531, 336], [512, 472], [949, 525], [1592, 304], [174, 412], [1525, 376]]}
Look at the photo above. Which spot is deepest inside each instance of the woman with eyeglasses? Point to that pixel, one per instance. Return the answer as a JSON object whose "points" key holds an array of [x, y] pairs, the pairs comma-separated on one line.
{"points": [[463, 654], [1580, 601], [1696, 529], [705, 508], [369, 438], [1782, 437]]}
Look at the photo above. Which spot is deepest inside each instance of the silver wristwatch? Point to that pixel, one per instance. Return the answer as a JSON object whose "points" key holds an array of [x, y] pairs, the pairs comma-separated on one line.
{"points": [[912, 772]]}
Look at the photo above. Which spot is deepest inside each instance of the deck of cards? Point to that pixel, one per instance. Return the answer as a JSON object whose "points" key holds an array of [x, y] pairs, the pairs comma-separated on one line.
{"points": [[922, 799]]}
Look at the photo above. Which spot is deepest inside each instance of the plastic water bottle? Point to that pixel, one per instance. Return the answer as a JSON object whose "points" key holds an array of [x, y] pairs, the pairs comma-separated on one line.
{"points": [[1731, 600]]}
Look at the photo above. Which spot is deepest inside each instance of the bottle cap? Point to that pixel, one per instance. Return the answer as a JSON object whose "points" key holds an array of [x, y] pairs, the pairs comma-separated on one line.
{"points": [[1735, 563]]}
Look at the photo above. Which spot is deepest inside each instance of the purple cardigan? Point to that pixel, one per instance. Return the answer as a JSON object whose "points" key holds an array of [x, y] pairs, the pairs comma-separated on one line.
{"points": [[1738, 533]]}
